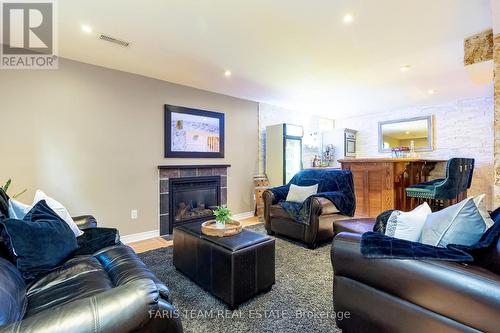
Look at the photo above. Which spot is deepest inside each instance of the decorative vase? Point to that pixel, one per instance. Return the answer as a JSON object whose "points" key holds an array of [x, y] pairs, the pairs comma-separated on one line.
{"points": [[219, 225]]}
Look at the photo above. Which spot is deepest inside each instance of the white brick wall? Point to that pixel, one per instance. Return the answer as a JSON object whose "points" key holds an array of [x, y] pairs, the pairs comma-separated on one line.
{"points": [[313, 126], [462, 128]]}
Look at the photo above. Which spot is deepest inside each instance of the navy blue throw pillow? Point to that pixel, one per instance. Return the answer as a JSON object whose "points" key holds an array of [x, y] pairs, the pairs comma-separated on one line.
{"points": [[39, 242]]}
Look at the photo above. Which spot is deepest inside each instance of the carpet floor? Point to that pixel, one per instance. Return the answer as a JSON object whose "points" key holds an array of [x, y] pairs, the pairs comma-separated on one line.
{"points": [[300, 300]]}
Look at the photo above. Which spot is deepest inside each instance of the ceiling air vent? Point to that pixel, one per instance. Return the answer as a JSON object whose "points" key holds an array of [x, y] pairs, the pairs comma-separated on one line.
{"points": [[114, 40]]}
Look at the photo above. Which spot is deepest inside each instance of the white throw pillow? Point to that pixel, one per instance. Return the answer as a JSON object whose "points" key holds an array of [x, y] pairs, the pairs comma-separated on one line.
{"points": [[408, 225], [59, 209], [458, 224], [301, 193], [481, 206], [18, 210]]}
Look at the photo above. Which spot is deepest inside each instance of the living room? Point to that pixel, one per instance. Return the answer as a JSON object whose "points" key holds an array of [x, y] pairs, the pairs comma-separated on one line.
{"points": [[236, 167]]}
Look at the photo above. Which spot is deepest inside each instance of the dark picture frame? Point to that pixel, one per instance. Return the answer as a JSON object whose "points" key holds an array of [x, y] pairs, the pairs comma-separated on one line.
{"points": [[179, 111]]}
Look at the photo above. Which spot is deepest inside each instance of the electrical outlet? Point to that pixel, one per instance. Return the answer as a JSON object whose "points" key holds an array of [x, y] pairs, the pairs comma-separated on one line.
{"points": [[133, 214]]}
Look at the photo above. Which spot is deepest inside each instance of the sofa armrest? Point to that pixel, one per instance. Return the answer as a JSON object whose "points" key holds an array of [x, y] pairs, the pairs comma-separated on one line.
{"points": [[323, 206], [85, 221], [431, 284], [126, 308]]}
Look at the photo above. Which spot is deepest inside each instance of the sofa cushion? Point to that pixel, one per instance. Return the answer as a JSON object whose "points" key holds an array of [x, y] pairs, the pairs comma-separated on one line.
{"points": [[408, 225], [86, 276], [299, 194], [78, 278], [12, 293], [59, 209], [40, 242], [18, 210], [460, 224]]}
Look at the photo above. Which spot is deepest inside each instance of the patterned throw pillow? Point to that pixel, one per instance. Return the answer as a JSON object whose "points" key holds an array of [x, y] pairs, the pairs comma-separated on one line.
{"points": [[392, 222], [408, 225]]}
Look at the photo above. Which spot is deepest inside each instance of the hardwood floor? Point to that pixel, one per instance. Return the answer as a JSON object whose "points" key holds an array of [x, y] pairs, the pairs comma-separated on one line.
{"points": [[158, 242]]}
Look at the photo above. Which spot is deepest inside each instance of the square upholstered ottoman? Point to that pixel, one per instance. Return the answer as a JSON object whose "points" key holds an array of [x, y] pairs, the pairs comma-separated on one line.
{"points": [[233, 268]]}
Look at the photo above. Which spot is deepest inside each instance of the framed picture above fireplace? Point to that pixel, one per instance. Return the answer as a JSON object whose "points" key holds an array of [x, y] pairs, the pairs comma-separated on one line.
{"points": [[193, 133]]}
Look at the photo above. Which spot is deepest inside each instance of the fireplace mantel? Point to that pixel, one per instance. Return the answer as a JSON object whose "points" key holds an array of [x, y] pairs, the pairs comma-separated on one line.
{"points": [[194, 166]]}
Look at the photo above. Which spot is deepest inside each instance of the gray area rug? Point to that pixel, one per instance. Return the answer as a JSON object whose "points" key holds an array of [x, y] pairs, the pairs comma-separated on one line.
{"points": [[300, 301]]}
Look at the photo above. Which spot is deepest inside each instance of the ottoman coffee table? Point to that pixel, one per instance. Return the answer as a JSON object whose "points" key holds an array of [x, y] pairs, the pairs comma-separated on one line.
{"points": [[233, 268]]}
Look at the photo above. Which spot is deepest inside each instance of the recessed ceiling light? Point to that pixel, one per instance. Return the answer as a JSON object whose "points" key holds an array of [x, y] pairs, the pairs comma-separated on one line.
{"points": [[404, 68], [348, 18], [407, 132], [431, 92], [227, 73], [86, 28]]}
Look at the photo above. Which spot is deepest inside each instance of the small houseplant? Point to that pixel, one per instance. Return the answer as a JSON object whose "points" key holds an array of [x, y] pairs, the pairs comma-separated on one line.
{"points": [[222, 216], [5, 188]]}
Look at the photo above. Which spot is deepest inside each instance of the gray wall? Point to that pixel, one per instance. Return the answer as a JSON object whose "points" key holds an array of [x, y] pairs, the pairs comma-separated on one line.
{"points": [[93, 138]]}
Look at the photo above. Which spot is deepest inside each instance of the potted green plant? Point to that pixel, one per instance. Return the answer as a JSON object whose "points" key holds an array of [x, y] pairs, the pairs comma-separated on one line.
{"points": [[5, 188], [222, 216]]}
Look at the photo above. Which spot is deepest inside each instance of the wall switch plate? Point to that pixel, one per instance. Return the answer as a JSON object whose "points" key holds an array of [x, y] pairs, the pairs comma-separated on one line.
{"points": [[133, 214]]}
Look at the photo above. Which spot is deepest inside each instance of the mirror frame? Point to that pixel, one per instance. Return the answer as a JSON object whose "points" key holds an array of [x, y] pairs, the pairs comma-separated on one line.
{"points": [[430, 133]]}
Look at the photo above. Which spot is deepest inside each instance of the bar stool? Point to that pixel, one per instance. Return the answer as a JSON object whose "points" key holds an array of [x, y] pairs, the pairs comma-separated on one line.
{"points": [[445, 191]]}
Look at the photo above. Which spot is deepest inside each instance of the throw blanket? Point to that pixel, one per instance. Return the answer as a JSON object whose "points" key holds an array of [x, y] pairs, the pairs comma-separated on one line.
{"points": [[377, 245], [334, 185]]}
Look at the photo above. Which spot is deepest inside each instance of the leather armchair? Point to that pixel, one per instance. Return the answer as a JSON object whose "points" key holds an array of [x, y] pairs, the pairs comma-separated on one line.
{"points": [[393, 295], [321, 216]]}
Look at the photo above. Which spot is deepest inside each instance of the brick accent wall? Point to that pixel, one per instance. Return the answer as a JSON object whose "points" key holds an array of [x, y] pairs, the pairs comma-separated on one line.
{"points": [[479, 47], [313, 126], [462, 128]]}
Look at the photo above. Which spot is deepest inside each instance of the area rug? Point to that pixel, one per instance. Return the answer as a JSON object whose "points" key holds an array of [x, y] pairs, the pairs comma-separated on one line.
{"points": [[300, 301]]}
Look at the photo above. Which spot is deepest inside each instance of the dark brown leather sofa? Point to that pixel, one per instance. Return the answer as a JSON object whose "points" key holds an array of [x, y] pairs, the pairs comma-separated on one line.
{"points": [[321, 216], [110, 290], [392, 295]]}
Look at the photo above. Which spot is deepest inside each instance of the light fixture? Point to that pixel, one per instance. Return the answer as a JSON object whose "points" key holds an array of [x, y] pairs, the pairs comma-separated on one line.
{"points": [[86, 28], [404, 68], [407, 132], [348, 18], [431, 92], [227, 73]]}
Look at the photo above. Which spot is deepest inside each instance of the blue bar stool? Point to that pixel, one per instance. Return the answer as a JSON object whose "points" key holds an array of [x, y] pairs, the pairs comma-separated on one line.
{"points": [[445, 191]]}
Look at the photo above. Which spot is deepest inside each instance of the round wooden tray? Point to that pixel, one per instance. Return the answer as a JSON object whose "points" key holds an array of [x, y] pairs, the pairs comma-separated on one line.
{"points": [[231, 228]]}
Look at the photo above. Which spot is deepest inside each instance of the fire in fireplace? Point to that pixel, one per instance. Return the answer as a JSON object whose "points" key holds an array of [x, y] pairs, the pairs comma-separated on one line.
{"points": [[193, 198]]}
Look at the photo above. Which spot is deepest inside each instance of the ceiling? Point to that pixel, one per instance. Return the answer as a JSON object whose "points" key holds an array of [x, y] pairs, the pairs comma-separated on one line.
{"points": [[294, 54]]}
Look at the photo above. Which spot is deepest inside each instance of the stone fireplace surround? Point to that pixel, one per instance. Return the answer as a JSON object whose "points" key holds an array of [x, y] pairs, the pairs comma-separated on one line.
{"points": [[167, 172]]}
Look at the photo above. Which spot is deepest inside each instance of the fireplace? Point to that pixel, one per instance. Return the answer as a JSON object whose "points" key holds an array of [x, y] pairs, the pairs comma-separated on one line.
{"points": [[189, 193], [193, 199]]}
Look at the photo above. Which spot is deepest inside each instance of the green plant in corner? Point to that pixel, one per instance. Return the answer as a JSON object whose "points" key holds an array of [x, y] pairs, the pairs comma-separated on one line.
{"points": [[6, 187], [222, 214]]}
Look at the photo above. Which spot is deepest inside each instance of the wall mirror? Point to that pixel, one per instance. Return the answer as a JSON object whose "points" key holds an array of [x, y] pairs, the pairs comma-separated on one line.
{"points": [[401, 133]]}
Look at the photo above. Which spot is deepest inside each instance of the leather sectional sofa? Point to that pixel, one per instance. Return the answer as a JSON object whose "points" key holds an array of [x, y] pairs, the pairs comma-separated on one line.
{"points": [[107, 291], [393, 295]]}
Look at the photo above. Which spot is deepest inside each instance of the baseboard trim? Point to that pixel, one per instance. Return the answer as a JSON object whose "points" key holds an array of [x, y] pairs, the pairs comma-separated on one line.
{"points": [[242, 216], [139, 236], [156, 233]]}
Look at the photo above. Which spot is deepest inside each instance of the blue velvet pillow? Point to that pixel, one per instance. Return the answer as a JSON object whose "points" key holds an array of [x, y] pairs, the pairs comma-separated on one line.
{"points": [[39, 242]]}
